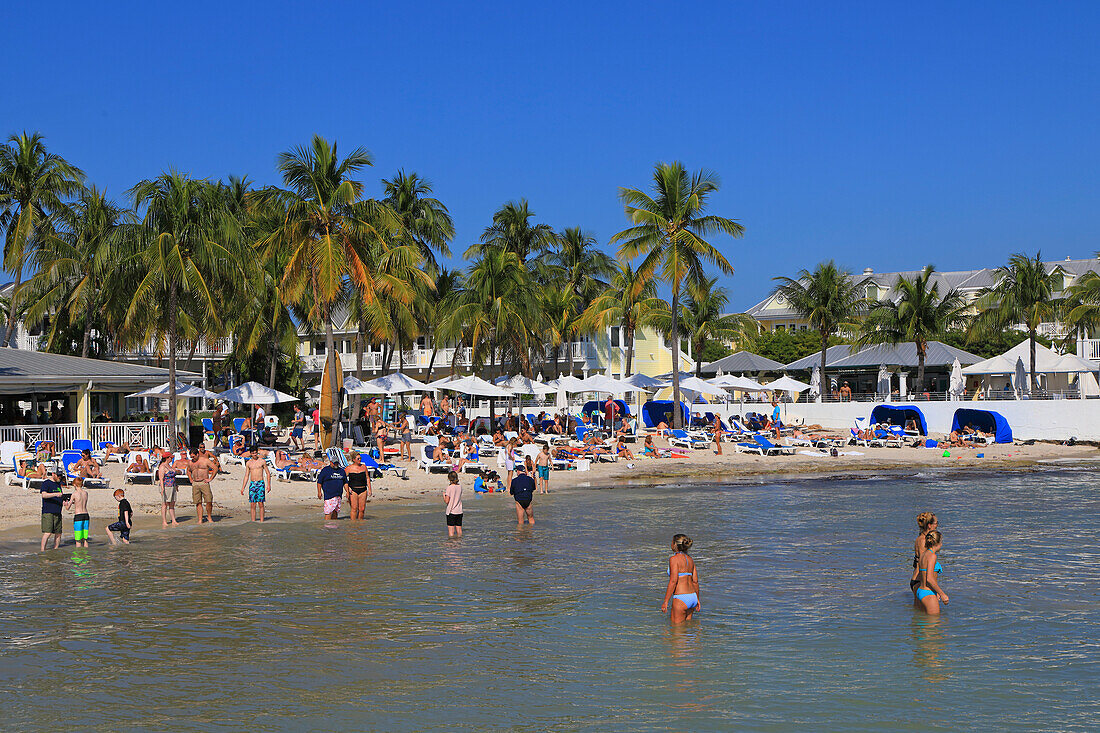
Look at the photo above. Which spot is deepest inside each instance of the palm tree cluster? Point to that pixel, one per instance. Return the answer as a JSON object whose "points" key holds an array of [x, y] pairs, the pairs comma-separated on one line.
{"points": [[189, 260], [1027, 294]]}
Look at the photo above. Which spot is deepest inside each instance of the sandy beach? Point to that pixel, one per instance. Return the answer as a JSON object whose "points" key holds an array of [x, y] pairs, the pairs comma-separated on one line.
{"points": [[20, 508]]}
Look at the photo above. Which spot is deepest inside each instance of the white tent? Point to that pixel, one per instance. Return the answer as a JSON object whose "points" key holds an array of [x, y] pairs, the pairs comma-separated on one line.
{"points": [[815, 383], [1047, 361], [644, 383], [701, 386], [441, 383], [477, 386], [567, 383], [739, 384], [522, 385], [183, 391], [254, 393], [603, 383], [958, 382], [395, 384], [787, 384]]}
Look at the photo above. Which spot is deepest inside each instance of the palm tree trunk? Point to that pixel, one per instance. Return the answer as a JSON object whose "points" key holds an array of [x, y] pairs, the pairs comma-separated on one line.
{"points": [[492, 368], [697, 352], [273, 359], [555, 351], [677, 416], [359, 351], [10, 325], [629, 335], [389, 358], [333, 375], [400, 356], [86, 346], [431, 361], [922, 350], [824, 351], [1034, 376], [172, 364]]}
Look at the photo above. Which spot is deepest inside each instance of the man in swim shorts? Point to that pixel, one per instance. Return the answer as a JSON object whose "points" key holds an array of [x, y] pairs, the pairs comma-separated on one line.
{"points": [[53, 501], [257, 479], [81, 520], [542, 467], [330, 487], [201, 469]]}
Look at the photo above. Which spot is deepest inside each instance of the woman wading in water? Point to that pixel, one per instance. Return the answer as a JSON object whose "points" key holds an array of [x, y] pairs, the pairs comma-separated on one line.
{"points": [[926, 521], [929, 593], [683, 582], [359, 486]]}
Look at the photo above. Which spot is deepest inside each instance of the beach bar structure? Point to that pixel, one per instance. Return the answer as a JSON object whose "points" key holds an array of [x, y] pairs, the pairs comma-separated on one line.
{"points": [[61, 391]]}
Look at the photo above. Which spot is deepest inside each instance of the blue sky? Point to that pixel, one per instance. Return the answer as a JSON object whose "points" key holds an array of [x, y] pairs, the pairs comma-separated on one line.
{"points": [[872, 133]]}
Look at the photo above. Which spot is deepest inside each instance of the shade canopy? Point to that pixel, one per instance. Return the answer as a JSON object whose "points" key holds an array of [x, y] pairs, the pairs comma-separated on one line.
{"points": [[787, 384], [396, 384], [520, 384], [604, 383], [701, 386], [352, 385], [254, 393], [643, 382], [441, 383], [567, 383], [740, 384], [987, 421], [182, 391], [1047, 361], [477, 386], [743, 361]]}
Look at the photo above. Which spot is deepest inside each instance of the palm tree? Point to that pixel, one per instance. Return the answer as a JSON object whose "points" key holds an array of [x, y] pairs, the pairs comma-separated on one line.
{"points": [[1024, 295], [34, 184], [828, 298], [916, 313], [512, 231], [426, 219], [1082, 304], [559, 308], [583, 267], [334, 236], [703, 319], [433, 308], [630, 302], [185, 257], [74, 264], [668, 230]]}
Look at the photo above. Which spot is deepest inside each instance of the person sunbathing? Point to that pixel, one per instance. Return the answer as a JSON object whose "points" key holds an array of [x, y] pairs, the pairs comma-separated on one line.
{"points": [[955, 440], [115, 450], [648, 449], [626, 429], [32, 469], [467, 454], [499, 440], [138, 465], [525, 438], [622, 451], [556, 427]]}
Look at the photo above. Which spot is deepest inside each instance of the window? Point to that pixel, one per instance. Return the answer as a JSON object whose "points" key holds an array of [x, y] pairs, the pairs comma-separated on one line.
{"points": [[780, 327], [872, 292], [319, 348], [421, 342], [614, 337]]}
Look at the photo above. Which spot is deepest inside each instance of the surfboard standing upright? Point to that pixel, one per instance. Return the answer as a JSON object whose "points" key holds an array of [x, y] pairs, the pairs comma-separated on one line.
{"points": [[331, 382]]}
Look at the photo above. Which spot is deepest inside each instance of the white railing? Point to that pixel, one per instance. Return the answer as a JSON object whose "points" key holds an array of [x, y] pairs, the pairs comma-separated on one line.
{"points": [[418, 359], [137, 434], [220, 347], [62, 434], [1088, 349]]}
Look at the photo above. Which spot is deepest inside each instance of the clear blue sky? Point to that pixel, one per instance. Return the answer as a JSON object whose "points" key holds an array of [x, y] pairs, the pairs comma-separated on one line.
{"points": [[874, 134]]}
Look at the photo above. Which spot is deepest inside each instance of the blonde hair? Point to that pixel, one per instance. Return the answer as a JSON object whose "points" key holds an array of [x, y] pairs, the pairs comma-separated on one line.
{"points": [[933, 538], [681, 543], [925, 520]]}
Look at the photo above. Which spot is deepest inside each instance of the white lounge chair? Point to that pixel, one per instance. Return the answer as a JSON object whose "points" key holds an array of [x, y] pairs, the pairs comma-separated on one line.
{"points": [[16, 477], [428, 463], [129, 477], [7, 450]]}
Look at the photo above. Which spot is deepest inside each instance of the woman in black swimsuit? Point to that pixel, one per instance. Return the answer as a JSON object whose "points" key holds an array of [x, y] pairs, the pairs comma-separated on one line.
{"points": [[359, 488]]}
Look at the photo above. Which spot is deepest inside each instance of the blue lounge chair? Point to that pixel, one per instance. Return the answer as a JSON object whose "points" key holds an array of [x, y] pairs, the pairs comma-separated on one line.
{"points": [[681, 439], [771, 449], [379, 468]]}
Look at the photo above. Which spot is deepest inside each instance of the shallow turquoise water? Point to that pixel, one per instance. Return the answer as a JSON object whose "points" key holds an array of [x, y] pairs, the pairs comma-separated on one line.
{"points": [[807, 620]]}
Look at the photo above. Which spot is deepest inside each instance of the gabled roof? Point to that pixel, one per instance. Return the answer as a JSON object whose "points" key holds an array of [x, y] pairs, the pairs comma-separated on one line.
{"points": [[743, 361], [904, 355], [833, 354], [27, 372]]}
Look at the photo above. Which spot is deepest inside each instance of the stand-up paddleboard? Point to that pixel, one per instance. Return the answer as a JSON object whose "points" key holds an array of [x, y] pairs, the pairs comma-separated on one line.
{"points": [[331, 382]]}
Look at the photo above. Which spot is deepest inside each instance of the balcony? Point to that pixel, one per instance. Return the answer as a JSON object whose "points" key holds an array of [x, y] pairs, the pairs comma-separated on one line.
{"points": [[576, 354], [1089, 349], [215, 349]]}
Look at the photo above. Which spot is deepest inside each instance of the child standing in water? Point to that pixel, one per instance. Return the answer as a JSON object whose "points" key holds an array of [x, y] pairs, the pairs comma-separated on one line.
{"points": [[683, 582], [125, 519], [929, 593], [81, 520], [925, 521]]}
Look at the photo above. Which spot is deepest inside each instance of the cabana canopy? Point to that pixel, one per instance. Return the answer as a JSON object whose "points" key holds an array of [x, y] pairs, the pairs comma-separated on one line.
{"points": [[655, 412], [899, 415], [986, 421]]}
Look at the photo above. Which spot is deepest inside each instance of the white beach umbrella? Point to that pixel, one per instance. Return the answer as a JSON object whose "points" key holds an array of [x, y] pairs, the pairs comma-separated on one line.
{"points": [[958, 383], [787, 384], [254, 393], [351, 385], [701, 386], [1019, 380], [883, 381], [521, 385], [815, 382], [477, 386], [441, 383], [740, 384], [182, 391], [395, 384], [604, 383], [567, 383], [644, 383]]}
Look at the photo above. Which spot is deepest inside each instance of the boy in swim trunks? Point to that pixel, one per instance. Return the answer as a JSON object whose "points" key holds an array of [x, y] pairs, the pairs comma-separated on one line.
{"points": [[79, 503], [257, 479], [542, 467]]}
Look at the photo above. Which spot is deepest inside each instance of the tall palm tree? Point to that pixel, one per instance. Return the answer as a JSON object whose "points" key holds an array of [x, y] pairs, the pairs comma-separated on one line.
{"points": [[559, 307], [334, 236], [75, 263], [668, 231], [917, 312], [34, 184], [512, 231], [828, 298], [630, 302], [1024, 295], [185, 253], [426, 219], [433, 309], [703, 319], [584, 268]]}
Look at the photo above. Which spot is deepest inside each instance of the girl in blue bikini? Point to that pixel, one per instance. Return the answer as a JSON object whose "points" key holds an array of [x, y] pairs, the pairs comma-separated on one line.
{"points": [[925, 521], [683, 582], [929, 593]]}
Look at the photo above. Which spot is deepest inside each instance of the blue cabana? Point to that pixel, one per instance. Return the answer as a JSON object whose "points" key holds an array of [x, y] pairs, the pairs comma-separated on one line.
{"points": [[899, 415], [986, 421], [597, 406], [655, 412]]}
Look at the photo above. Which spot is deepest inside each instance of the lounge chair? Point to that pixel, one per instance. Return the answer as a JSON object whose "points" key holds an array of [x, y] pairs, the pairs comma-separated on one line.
{"points": [[357, 437], [129, 477], [428, 463], [486, 446], [68, 458], [771, 449], [889, 439], [865, 442], [289, 471], [17, 478], [230, 456], [8, 449], [380, 468], [682, 439]]}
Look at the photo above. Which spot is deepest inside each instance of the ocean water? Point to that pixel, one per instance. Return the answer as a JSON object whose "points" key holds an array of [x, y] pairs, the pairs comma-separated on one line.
{"points": [[806, 621]]}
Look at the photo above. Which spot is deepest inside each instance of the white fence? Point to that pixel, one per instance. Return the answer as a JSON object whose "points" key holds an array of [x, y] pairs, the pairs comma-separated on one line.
{"points": [[137, 434], [62, 435], [418, 359]]}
